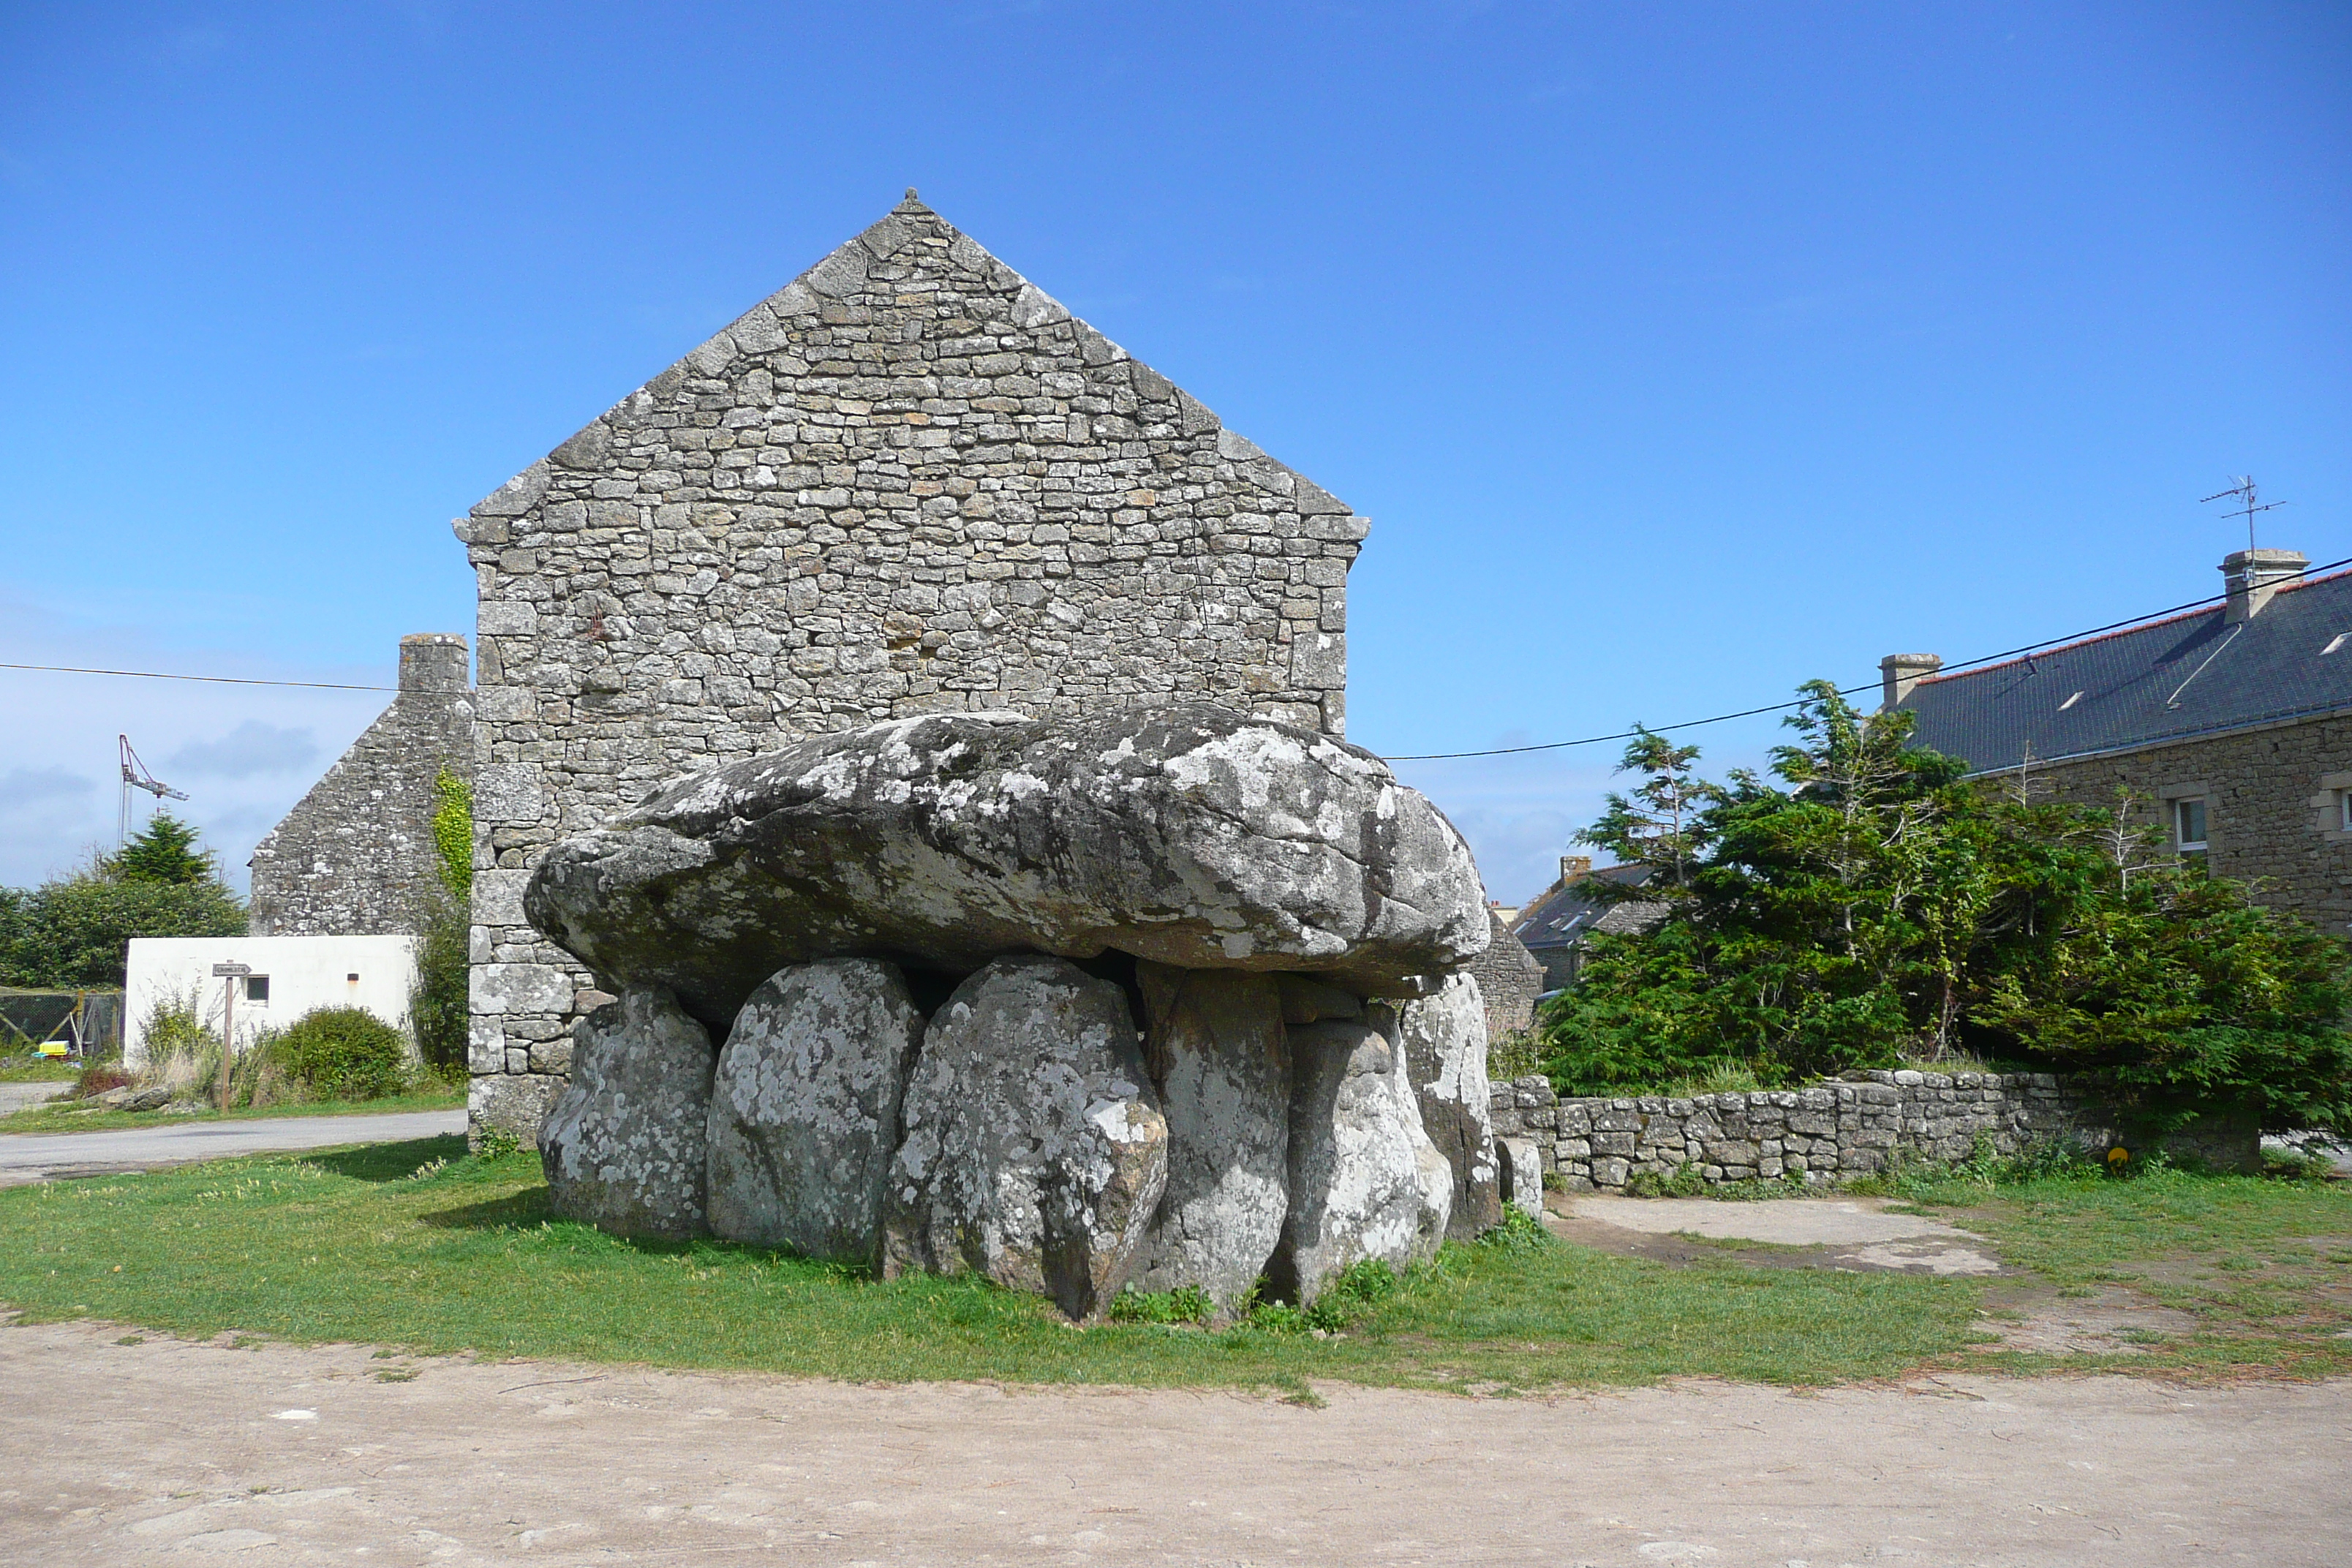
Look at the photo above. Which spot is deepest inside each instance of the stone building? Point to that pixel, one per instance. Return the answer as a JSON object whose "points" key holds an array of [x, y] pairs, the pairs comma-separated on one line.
{"points": [[356, 856], [1509, 979], [1554, 924], [909, 481], [2232, 725]]}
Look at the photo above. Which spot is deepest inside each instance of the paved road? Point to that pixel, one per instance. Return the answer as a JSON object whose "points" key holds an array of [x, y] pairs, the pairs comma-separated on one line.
{"points": [[45, 1156], [16, 1095], [163, 1451]]}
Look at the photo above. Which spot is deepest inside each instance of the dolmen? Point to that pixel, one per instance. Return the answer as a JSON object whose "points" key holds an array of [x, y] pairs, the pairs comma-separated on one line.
{"points": [[1164, 998]]}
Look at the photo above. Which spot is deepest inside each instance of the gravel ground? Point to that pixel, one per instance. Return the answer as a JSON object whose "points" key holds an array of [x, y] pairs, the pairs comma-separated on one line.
{"points": [[164, 1451]]}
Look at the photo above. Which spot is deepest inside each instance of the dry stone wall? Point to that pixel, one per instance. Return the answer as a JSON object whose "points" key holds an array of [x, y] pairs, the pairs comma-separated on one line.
{"points": [[1819, 1134], [357, 856], [908, 482]]}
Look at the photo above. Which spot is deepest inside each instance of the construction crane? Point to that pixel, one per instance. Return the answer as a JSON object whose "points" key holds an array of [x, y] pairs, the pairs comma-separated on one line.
{"points": [[136, 777]]}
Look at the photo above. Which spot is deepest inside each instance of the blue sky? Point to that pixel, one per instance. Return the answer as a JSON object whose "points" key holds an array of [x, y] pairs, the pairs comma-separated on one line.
{"points": [[1679, 353]]}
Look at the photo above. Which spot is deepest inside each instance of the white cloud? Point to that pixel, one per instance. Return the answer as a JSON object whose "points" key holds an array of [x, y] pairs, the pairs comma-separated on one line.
{"points": [[28, 786], [252, 748], [231, 748]]}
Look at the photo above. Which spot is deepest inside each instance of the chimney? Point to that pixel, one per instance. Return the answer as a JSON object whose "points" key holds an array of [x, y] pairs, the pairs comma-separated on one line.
{"points": [[1899, 672], [433, 661], [1574, 867], [2253, 575]]}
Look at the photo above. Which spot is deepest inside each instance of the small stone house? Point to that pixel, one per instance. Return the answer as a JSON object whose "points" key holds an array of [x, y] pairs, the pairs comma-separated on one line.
{"points": [[356, 855], [1554, 924], [1509, 979], [2232, 723], [907, 482]]}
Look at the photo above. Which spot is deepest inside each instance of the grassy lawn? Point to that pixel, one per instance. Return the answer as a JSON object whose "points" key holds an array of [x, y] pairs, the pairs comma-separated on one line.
{"points": [[421, 1247], [37, 1069], [364, 1245], [2265, 1266], [57, 1117]]}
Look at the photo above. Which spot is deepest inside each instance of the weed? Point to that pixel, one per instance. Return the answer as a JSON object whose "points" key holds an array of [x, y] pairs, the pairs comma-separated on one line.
{"points": [[396, 1374], [1188, 1305], [1516, 1231]]}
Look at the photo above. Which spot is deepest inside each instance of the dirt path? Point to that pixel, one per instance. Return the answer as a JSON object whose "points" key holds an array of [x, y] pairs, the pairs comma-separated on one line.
{"points": [[165, 1451]]}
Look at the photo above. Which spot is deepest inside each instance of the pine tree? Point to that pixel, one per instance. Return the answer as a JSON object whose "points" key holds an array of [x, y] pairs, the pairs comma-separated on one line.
{"points": [[163, 851]]}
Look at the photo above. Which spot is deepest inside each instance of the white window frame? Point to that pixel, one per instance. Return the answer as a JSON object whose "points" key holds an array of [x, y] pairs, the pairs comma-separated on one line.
{"points": [[2180, 840]]}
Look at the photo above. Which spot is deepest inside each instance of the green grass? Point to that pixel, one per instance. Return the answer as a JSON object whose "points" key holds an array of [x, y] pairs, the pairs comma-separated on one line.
{"points": [[55, 1117], [462, 1256], [2263, 1266], [422, 1247], [37, 1069]]}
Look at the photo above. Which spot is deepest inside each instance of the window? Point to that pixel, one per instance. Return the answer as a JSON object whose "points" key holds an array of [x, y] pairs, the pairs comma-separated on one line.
{"points": [[2344, 809], [352, 978], [2188, 825], [256, 988]]}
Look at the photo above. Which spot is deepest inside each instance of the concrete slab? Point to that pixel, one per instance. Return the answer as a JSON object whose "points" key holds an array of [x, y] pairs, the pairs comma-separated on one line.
{"points": [[169, 1452]]}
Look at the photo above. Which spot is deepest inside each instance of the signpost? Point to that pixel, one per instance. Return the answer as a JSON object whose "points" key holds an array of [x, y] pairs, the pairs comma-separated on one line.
{"points": [[232, 972]]}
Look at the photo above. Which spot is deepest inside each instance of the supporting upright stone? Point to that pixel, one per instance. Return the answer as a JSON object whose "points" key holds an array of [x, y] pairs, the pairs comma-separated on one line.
{"points": [[804, 1111], [1215, 1045], [1444, 1036], [1034, 1148], [624, 1146], [1521, 1164], [1365, 1182]]}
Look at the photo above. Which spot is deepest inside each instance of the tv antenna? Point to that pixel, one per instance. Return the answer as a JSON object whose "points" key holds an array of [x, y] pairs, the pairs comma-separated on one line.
{"points": [[136, 777], [2244, 492]]}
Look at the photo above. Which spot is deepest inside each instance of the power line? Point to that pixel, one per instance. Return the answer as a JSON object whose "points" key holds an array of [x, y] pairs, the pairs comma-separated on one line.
{"points": [[214, 680], [2306, 574]]}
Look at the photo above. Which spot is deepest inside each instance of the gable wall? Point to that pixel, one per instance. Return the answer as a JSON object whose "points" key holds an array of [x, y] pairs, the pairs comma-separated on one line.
{"points": [[356, 855], [908, 482]]}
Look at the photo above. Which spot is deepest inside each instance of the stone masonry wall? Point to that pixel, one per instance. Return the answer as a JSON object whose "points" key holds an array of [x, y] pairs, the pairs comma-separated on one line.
{"points": [[1509, 979], [2274, 813], [908, 482], [356, 856], [1820, 1134]]}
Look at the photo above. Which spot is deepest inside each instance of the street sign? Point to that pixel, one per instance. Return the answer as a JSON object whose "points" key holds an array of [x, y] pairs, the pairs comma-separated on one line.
{"points": [[231, 971]]}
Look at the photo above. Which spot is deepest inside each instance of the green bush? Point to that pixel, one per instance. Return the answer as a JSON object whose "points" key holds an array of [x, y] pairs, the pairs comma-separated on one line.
{"points": [[76, 933], [343, 1053], [436, 1007], [1867, 907]]}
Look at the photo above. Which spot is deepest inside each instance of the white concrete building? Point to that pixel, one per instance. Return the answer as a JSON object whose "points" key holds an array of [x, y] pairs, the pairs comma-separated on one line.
{"points": [[291, 976]]}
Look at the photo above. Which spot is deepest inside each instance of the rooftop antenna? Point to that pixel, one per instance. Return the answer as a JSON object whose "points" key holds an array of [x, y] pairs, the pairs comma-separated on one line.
{"points": [[136, 777], [2244, 491]]}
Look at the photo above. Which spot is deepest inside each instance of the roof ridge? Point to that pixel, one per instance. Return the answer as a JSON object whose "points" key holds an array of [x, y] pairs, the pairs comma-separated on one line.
{"points": [[2133, 630]]}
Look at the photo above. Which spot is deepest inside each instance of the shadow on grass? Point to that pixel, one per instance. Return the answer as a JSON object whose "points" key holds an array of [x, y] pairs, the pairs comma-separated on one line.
{"points": [[516, 1211], [390, 1162]]}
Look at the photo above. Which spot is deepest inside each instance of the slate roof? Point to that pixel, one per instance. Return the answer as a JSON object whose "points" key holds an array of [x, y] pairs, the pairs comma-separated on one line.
{"points": [[2171, 679], [1564, 914]]}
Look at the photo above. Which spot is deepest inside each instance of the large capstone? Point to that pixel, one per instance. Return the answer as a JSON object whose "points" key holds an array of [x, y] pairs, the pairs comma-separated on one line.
{"points": [[1216, 1049], [1444, 1036], [1191, 835], [1365, 1182], [1034, 1151], [805, 1109], [624, 1146]]}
